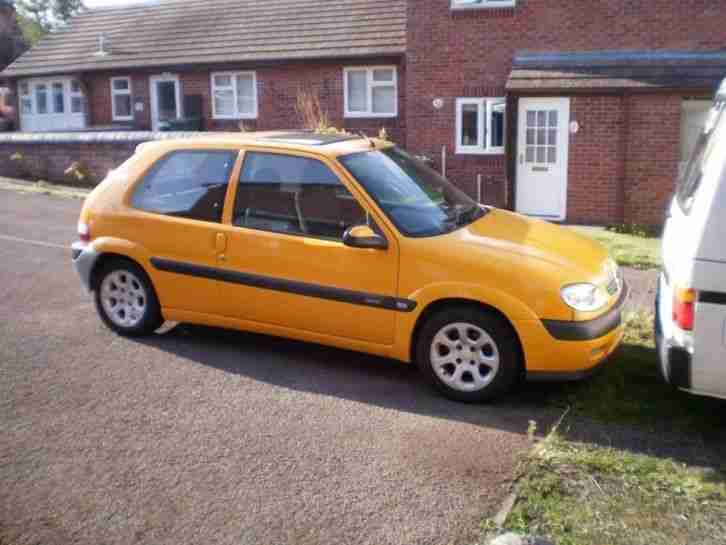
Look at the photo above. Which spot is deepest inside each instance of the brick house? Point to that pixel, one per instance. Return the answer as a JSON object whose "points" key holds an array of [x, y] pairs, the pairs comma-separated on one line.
{"points": [[569, 110]]}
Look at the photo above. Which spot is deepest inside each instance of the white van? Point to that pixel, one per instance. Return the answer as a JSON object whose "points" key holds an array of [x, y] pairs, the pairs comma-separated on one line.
{"points": [[691, 302]]}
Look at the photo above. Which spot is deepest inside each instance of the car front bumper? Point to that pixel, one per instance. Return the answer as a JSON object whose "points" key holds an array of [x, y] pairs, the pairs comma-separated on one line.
{"points": [[571, 350], [84, 260]]}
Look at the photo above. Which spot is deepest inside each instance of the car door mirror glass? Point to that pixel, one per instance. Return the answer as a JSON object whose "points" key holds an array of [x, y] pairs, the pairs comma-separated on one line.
{"points": [[362, 236]]}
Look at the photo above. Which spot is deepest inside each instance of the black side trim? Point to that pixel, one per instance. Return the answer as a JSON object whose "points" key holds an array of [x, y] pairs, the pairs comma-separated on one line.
{"points": [[288, 286], [679, 367], [712, 297], [591, 329]]}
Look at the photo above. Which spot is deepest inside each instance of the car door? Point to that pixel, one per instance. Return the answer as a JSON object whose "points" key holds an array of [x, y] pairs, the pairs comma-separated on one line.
{"points": [[284, 259], [178, 209]]}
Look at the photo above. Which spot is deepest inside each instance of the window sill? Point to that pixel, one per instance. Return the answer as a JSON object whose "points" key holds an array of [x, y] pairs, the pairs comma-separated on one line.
{"points": [[131, 118], [485, 7], [368, 115], [465, 151], [234, 117]]}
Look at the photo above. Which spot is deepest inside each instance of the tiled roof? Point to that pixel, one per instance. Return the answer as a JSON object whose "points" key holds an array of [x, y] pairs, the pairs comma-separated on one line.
{"points": [[182, 32], [617, 70]]}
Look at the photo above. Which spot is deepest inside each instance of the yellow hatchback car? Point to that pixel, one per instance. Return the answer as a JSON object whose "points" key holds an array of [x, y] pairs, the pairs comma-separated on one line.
{"points": [[350, 242]]}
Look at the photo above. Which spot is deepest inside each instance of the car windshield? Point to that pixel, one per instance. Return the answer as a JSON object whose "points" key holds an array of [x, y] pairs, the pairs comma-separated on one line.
{"points": [[419, 201], [690, 180]]}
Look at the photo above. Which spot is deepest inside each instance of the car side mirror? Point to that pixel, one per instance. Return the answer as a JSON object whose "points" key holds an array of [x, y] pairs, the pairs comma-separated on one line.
{"points": [[362, 236]]}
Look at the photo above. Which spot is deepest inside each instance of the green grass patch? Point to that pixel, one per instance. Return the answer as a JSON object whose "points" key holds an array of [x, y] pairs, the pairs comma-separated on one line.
{"points": [[628, 250], [585, 495], [630, 390]]}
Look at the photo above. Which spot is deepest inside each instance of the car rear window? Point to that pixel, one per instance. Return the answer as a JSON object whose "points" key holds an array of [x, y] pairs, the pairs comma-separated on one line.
{"points": [[690, 179]]}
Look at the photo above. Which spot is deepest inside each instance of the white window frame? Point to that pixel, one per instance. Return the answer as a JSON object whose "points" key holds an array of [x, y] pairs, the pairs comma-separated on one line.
{"points": [[485, 107], [233, 76], [124, 92], [482, 4], [370, 85]]}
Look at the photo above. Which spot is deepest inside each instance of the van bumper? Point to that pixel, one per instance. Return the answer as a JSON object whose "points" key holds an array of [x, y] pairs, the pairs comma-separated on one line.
{"points": [[569, 351]]}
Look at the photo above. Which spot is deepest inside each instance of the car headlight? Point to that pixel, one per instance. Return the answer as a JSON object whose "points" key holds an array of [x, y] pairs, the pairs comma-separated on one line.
{"points": [[584, 297]]}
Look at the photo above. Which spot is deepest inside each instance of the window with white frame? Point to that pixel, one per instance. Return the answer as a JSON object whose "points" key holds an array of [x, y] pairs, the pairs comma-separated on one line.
{"points": [[371, 91], [482, 4], [121, 99], [480, 125], [234, 95]]}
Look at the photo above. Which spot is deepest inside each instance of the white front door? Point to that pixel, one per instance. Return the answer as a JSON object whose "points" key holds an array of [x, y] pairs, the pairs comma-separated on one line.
{"points": [[165, 99], [542, 156]]}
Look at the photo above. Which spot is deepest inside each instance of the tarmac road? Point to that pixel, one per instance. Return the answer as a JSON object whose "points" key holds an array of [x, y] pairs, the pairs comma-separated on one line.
{"points": [[210, 436]]}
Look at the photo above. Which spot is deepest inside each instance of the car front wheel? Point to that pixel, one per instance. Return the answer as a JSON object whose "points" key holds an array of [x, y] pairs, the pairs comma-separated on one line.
{"points": [[126, 301], [468, 354]]}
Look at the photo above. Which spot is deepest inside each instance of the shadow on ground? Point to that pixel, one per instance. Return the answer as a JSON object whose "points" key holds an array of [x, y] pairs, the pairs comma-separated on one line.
{"points": [[626, 406]]}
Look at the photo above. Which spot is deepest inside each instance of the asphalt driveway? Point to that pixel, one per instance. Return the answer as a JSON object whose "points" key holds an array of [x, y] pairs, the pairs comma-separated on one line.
{"points": [[210, 436]]}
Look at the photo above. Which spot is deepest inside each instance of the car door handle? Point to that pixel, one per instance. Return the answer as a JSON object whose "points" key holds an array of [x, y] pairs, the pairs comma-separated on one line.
{"points": [[220, 243]]}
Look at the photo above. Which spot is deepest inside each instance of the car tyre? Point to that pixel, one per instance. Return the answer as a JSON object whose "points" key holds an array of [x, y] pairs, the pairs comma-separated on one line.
{"points": [[468, 354], [126, 300]]}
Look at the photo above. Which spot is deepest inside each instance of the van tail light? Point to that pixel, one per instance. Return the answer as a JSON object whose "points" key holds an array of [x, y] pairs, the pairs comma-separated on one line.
{"points": [[84, 233], [684, 308]]}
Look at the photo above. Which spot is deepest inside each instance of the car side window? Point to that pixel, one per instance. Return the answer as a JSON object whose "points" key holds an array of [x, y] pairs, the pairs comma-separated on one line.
{"points": [[187, 184], [294, 195]]}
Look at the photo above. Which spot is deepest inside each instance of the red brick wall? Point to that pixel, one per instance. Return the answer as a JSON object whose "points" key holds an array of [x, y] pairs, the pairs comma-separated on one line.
{"points": [[597, 154], [277, 93], [50, 161], [464, 53], [653, 152]]}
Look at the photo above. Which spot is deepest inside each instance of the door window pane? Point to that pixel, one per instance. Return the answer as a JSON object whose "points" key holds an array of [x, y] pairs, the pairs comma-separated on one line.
{"points": [[294, 195], [58, 98], [77, 105], [121, 84], [357, 91], [122, 105], [187, 184], [41, 98], [470, 125]]}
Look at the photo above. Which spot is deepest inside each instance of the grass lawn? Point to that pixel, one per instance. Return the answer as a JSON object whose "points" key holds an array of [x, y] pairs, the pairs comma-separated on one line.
{"points": [[576, 494], [581, 495], [628, 250]]}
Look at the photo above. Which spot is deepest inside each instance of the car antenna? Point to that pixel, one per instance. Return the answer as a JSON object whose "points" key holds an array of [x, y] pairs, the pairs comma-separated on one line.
{"points": [[367, 139]]}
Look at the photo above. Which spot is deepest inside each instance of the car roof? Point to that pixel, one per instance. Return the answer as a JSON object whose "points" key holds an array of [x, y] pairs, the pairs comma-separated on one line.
{"points": [[333, 145]]}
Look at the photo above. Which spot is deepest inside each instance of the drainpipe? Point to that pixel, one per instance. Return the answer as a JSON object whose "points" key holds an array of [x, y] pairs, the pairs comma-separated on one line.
{"points": [[478, 188], [443, 161]]}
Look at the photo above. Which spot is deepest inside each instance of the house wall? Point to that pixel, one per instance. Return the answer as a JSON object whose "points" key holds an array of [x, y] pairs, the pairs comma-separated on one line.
{"points": [[277, 87], [469, 53]]}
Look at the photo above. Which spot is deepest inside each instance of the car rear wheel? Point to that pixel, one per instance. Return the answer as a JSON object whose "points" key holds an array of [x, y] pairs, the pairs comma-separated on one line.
{"points": [[126, 301], [468, 354]]}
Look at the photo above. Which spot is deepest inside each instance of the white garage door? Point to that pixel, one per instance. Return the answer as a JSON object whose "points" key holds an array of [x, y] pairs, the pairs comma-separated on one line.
{"points": [[52, 104]]}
